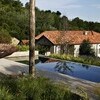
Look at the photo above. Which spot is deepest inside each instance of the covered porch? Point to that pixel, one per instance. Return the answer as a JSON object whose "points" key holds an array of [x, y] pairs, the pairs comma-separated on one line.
{"points": [[46, 47]]}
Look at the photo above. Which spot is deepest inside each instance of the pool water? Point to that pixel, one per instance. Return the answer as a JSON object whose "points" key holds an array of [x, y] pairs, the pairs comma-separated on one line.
{"points": [[87, 72]]}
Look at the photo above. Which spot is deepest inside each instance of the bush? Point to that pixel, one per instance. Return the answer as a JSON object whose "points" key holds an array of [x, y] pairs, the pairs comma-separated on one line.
{"points": [[28, 88], [81, 59], [85, 48], [23, 47], [4, 37], [4, 94], [97, 91], [42, 49], [41, 89]]}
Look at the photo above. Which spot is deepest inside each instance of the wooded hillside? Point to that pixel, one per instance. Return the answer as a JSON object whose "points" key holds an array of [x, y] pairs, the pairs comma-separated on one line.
{"points": [[14, 18]]}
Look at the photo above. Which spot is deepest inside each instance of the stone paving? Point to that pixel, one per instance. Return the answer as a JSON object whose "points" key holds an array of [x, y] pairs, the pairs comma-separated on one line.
{"points": [[76, 85], [9, 67]]}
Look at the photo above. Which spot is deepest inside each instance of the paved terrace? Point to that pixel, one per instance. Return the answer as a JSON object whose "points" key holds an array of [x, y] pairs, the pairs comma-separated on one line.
{"points": [[76, 85]]}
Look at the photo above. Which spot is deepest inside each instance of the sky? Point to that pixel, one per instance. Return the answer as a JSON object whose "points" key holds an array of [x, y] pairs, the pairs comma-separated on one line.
{"points": [[88, 10]]}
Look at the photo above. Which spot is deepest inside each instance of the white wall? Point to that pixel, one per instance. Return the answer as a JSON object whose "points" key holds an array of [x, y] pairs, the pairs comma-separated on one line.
{"points": [[22, 53], [95, 47], [76, 50], [98, 50], [47, 53], [57, 49]]}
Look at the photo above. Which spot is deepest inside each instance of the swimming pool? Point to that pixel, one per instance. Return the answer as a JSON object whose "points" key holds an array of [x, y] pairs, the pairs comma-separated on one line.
{"points": [[86, 72]]}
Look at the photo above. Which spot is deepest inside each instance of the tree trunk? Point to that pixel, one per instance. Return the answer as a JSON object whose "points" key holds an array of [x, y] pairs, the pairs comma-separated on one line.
{"points": [[32, 39]]}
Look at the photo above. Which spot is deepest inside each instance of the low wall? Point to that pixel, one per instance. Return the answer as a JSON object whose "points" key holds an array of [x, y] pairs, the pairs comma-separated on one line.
{"points": [[21, 55]]}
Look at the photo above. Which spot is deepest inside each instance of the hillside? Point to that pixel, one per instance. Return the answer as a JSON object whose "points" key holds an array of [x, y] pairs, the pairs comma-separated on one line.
{"points": [[14, 19]]}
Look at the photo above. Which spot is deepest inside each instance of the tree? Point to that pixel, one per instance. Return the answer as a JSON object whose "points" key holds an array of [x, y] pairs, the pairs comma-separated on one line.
{"points": [[64, 43], [32, 38], [85, 48], [64, 23], [4, 37]]}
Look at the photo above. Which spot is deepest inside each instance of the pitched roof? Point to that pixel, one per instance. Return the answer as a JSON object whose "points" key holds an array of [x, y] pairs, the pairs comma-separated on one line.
{"points": [[73, 37]]}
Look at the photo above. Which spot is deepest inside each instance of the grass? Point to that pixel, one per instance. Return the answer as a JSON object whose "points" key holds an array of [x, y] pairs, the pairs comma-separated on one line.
{"points": [[80, 59], [28, 88], [97, 91]]}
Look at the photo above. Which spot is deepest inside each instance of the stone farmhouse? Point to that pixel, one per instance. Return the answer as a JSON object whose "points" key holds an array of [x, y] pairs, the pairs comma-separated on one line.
{"points": [[58, 41]]}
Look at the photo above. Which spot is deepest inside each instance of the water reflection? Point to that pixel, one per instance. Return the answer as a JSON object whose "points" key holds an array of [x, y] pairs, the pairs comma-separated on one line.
{"points": [[63, 67], [83, 71], [43, 60], [85, 66]]}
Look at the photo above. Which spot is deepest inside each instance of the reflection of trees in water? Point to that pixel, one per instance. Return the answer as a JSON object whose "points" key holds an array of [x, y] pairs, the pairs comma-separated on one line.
{"points": [[85, 66], [63, 67]]}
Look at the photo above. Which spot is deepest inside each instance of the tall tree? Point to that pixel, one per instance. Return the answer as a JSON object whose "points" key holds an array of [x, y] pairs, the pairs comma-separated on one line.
{"points": [[32, 39]]}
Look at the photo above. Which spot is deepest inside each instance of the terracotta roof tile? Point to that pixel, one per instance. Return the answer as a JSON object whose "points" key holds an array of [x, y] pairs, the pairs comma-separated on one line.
{"points": [[74, 37]]}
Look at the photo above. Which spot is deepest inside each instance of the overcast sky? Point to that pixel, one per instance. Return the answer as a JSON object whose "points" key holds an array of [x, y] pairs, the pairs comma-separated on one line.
{"points": [[85, 9]]}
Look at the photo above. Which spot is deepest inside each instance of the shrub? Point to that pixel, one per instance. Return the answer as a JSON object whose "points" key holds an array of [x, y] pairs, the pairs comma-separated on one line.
{"points": [[28, 88], [81, 59], [23, 47], [4, 94], [41, 89], [85, 48], [4, 36], [97, 91], [42, 49]]}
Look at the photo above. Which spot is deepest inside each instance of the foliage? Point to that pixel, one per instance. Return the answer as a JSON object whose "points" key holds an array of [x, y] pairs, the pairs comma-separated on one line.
{"points": [[79, 24], [80, 59], [22, 47], [42, 49], [28, 88], [14, 18], [4, 94], [85, 48], [97, 91], [4, 37]]}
